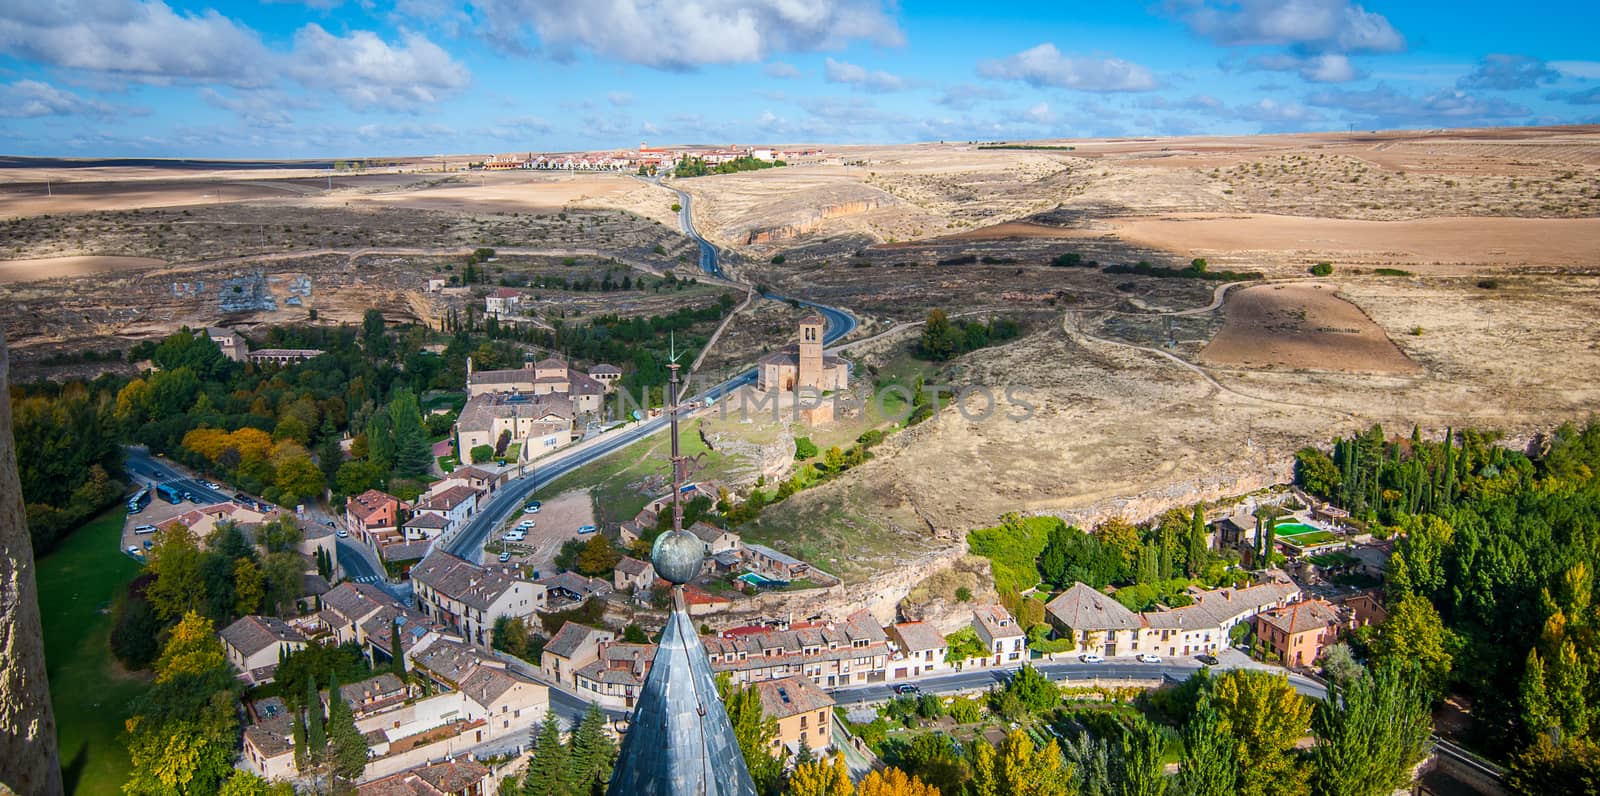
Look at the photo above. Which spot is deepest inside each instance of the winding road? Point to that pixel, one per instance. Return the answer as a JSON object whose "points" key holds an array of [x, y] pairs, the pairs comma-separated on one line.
{"points": [[510, 498]]}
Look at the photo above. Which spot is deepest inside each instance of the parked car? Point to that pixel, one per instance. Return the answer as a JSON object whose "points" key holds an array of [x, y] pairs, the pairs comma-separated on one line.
{"points": [[1145, 657], [524, 525], [905, 688], [148, 544], [144, 529], [1091, 658], [505, 556], [1207, 658], [133, 550], [514, 536], [211, 484], [530, 509], [329, 523], [242, 498], [587, 529], [342, 533]]}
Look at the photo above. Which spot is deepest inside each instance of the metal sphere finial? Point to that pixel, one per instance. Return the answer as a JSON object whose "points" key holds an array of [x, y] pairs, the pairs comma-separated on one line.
{"points": [[677, 556]]}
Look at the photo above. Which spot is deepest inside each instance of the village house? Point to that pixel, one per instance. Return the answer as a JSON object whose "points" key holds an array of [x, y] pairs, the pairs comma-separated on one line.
{"points": [[922, 650], [448, 778], [650, 515], [1297, 634], [453, 504], [469, 598], [616, 675], [566, 589], [803, 712], [489, 703], [1096, 623], [376, 694], [502, 302], [774, 565], [1005, 640], [573, 647], [717, 540], [551, 377], [631, 574], [255, 644], [484, 481], [416, 630], [607, 375], [231, 343], [447, 662], [202, 522], [832, 655], [348, 608], [374, 516], [536, 424], [269, 747]]}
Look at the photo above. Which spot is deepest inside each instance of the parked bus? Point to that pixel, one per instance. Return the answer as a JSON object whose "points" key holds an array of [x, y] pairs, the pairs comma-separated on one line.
{"points": [[141, 499], [170, 493]]}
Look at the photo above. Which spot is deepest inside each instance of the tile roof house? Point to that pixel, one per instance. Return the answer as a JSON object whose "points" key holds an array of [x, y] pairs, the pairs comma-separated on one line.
{"points": [[1298, 634], [1001, 634], [469, 598], [570, 649], [1095, 622], [269, 747], [832, 654], [617, 674], [570, 587], [802, 711], [449, 778], [773, 563], [447, 663], [375, 694], [372, 514], [255, 644], [453, 504], [633, 574], [922, 650]]}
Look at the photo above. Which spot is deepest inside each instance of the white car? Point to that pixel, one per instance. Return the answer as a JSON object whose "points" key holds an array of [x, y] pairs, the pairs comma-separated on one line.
{"points": [[525, 525], [1145, 657], [133, 550], [342, 533], [514, 536], [530, 509], [143, 529], [1091, 658]]}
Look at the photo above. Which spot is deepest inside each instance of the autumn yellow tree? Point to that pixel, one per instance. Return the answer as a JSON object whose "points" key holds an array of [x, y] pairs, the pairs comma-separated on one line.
{"points": [[821, 778], [1021, 767], [249, 586], [1265, 716], [894, 782], [191, 649]]}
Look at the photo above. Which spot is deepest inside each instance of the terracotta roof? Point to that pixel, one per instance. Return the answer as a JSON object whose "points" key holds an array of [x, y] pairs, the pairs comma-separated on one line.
{"points": [[549, 363], [272, 737], [253, 634], [449, 499], [380, 689], [427, 521], [605, 370], [462, 580], [368, 503], [791, 696], [449, 660], [996, 621], [1301, 617], [485, 685], [1082, 608], [438, 779], [355, 602]]}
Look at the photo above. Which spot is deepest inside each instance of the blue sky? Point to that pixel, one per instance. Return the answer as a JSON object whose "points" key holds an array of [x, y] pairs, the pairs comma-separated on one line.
{"points": [[346, 78]]}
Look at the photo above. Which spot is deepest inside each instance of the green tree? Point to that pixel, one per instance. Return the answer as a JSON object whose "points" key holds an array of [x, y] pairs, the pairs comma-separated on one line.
{"points": [[1139, 765], [359, 475], [754, 730], [191, 649], [593, 753], [1209, 766], [1262, 712], [549, 772], [175, 562], [316, 735], [249, 586], [821, 778], [804, 448], [299, 479], [348, 750], [1370, 733], [938, 337], [1316, 473], [411, 453], [1413, 632], [1021, 767], [598, 557], [481, 454], [1550, 769]]}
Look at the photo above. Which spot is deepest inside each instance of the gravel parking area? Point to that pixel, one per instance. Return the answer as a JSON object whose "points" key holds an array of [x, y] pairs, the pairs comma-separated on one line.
{"points": [[557, 521]]}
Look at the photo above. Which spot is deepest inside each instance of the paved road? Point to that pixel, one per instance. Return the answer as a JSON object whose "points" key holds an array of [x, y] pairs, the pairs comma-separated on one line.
{"points": [[1061, 671], [515, 494], [151, 470]]}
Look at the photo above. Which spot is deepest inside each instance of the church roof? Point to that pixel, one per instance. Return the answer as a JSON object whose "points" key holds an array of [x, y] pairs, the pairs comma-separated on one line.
{"points": [[681, 741]]}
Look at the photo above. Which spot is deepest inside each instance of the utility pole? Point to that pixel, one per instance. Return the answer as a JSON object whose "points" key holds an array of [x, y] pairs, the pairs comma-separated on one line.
{"points": [[48, 191]]}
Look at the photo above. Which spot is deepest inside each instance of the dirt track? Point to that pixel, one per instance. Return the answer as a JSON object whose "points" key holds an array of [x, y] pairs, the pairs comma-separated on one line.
{"points": [[1301, 326]]}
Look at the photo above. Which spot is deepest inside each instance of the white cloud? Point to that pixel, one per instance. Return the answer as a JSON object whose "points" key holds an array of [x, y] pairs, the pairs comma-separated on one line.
{"points": [[861, 77], [1313, 26], [619, 98], [146, 41], [1045, 66], [782, 70], [1039, 114], [28, 99], [371, 73], [1324, 68], [264, 108], [684, 35]]}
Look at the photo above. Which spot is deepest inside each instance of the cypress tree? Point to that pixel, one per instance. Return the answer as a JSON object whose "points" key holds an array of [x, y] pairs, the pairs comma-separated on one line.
{"points": [[397, 658], [1208, 767], [592, 753], [349, 749], [315, 739]]}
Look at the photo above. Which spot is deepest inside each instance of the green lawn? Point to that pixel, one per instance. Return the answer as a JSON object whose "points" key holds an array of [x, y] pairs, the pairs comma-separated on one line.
{"points": [[90, 692], [613, 480]]}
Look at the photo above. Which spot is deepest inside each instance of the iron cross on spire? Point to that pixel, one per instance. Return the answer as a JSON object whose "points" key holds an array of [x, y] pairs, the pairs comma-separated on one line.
{"points": [[682, 466]]}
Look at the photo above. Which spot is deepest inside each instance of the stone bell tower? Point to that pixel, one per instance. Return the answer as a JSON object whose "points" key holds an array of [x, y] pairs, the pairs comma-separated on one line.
{"points": [[809, 374]]}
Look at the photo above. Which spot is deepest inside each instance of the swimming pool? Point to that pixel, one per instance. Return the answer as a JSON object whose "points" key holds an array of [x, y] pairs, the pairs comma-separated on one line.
{"points": [[759, 582]]}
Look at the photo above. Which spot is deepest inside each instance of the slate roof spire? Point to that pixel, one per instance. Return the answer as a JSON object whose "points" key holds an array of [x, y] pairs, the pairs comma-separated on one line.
{"points": [[681, 742]]}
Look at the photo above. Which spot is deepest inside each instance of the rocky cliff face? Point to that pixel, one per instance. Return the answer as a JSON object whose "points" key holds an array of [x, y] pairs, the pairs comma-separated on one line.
{"points": [[28, 758], [813, 220]]}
